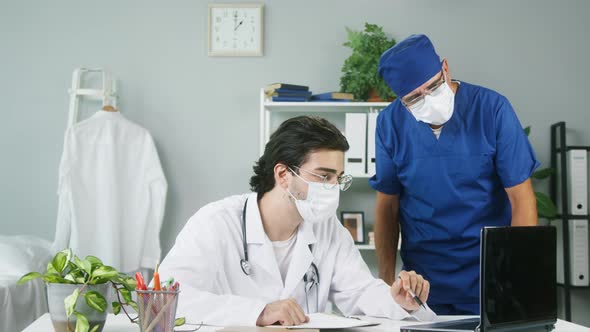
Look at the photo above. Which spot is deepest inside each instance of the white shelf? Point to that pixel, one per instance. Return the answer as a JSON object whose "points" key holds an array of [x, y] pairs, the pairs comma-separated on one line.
{"points": [[365, 246], [361, 176], [343, 106]]}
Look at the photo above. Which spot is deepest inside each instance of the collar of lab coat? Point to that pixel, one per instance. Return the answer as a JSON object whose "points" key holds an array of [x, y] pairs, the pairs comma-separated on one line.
{"points": [[104, 114], [255, 231]]}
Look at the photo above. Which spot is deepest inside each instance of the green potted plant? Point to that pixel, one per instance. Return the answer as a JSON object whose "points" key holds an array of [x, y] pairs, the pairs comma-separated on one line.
{"points": [[77, 290], [545, 206], [360, 76]]}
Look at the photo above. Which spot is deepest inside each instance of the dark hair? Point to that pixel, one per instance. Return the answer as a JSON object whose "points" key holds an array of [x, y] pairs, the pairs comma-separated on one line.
{"points": [[291, 144]]}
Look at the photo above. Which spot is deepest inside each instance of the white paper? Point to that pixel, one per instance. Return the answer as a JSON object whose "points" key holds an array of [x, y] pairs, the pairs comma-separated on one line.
{"points": [[327, 321]]}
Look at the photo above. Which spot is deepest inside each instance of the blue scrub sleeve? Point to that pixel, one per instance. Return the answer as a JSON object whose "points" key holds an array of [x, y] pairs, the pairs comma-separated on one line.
{"points": [[385, 179], [515, 158]]}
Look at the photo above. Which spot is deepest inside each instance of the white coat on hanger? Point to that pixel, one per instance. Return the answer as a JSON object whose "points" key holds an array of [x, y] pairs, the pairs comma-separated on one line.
{"points": [[112, 192]]}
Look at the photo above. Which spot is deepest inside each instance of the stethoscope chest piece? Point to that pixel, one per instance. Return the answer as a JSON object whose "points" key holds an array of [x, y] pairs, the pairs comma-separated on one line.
{"points": [[245, 267]]}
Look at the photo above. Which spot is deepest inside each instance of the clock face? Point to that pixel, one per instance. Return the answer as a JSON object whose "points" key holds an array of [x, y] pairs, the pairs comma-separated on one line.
{"points": [[235, 30]]}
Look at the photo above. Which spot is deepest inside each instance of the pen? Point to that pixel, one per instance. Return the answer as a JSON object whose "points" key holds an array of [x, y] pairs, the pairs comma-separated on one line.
{"points": [[416, 298]]}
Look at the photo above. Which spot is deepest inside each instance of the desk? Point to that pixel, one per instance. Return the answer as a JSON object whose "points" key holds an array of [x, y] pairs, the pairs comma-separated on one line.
{"points": [[121, 323]]}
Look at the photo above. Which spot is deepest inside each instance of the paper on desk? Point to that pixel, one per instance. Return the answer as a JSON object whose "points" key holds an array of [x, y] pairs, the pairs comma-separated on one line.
{"points": [[327, 321]]}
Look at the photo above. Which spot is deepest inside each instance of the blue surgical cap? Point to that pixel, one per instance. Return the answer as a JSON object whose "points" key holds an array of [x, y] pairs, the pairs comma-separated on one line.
{"points": [[409, 64]]}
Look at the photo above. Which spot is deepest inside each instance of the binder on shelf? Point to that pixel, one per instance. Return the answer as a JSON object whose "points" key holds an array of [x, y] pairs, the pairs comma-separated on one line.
{"points": [[356, 134], [578, 251], [577, 182], [371, 130]]}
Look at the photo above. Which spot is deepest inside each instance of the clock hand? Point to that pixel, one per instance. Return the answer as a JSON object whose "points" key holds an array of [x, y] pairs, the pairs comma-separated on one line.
{"points": [[237, 26]]}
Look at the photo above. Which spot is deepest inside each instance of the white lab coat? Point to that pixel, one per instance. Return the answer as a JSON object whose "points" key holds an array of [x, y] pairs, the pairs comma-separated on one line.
{"points": [[112, 193], [206, 261]]}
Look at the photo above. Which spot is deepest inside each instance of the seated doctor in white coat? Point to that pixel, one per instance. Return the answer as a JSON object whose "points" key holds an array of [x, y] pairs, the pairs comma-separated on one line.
{"points": [[271, 256]]}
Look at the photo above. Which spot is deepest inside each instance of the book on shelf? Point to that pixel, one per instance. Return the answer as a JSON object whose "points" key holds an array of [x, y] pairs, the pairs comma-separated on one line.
{"points": [[291, 93], [278, 98], [269, 89], [332, 96], [330, 100]]}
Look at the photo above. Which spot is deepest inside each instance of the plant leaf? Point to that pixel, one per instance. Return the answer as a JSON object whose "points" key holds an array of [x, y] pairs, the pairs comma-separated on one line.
{"points": [[70, 302], [545, 207], [94, 261], [133, 305], [53, 278], [96, 301], [95, 328], [116, 307], [126, 294], [104, 272], [179, 321], [85, 265], [543, 173], [81, 322], [59, 261], [28, 277], [51, 269], [527, 130]]}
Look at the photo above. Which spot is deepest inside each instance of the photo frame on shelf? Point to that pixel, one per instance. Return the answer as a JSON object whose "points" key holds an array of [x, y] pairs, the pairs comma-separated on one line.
{"points": [[354, 222]]}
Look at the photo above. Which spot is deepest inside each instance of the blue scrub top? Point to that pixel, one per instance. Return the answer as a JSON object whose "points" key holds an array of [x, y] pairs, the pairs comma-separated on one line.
{"points": [[451, 187]]}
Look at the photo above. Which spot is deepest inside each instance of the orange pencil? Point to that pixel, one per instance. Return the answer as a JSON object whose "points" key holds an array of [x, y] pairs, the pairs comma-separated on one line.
{"points": [[157, 279]]}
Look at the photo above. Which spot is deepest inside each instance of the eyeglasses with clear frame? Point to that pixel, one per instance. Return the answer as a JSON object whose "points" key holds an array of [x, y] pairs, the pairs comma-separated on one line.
{"points": [[330, 181], [415, 102]]}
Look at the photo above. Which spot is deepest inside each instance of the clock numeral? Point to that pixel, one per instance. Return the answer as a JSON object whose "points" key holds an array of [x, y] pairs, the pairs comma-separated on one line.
{"points": [[225, 13], [218, 19]]}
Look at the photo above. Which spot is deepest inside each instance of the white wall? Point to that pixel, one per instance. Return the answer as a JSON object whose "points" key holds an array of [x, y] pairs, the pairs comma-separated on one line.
{"points": [[202, 111]]}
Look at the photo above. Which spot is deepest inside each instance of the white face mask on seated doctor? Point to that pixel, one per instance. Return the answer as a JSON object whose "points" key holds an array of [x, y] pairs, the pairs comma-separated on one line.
{"points": [[322, 198]]}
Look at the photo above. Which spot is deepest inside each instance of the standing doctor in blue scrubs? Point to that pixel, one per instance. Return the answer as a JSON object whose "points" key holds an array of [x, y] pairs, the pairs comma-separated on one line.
{"points": [[451, 158]]}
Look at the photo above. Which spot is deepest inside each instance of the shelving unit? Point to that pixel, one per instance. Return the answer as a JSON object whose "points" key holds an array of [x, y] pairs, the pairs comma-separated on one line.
{"points": [[559, 145], [333, 111]]}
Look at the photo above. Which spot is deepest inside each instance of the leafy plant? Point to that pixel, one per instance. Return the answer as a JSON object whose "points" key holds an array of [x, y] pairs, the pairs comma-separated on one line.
{"points": [[360, 69], [65, 268], [545, 206]]}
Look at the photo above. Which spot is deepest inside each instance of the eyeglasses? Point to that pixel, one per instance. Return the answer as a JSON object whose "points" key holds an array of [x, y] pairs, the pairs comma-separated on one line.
{"points": [[331, 180], [415, 102]]}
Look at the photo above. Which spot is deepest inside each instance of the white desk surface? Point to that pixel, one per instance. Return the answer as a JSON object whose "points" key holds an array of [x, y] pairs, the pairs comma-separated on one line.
{"points": [[121, 323]]}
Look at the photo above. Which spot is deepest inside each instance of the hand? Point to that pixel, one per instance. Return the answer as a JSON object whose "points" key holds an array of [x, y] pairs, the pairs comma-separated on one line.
{"points": [[410, 281], [286, 312]]}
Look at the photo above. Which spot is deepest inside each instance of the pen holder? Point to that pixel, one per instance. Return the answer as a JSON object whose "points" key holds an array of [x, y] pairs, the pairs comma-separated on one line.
{"points": [[157, 310]]}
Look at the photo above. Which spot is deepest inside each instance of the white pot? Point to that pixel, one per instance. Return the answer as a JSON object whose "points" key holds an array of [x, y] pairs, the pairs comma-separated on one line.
{"points": [[56, 294]]}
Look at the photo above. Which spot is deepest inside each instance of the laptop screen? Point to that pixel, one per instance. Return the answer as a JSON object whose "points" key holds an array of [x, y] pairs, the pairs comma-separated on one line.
{"points": [[520, 278]]}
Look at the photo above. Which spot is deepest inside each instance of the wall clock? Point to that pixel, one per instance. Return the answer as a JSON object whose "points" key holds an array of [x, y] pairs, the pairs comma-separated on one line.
{"points": [[235, 29]]}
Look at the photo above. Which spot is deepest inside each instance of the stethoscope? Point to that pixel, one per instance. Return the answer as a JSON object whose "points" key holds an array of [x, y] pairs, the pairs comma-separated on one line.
{"points": [[310, 279]]}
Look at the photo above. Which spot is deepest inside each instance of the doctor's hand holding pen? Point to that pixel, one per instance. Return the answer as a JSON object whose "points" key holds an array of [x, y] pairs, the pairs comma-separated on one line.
{"points": [[410, 290], [286, 312]]}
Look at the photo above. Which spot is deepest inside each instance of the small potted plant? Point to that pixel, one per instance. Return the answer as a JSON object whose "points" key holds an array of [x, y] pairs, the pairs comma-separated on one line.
{"points": [[360, 76], [77, 290]]}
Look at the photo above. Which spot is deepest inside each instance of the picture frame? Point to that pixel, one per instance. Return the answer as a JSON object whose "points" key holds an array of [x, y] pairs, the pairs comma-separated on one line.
{"points": [[354, 222]]}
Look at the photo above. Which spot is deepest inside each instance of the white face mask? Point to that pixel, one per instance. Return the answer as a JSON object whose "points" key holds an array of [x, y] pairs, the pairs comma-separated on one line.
{"points": [[438, 106], [321, 203]]}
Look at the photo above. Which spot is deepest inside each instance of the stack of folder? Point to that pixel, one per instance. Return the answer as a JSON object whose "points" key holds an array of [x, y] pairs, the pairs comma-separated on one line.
{"points": [[287, 92], [333, 97]]}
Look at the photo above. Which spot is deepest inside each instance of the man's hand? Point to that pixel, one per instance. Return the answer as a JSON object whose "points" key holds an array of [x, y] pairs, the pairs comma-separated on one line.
{"points": [[285, 312], [410, 281]]}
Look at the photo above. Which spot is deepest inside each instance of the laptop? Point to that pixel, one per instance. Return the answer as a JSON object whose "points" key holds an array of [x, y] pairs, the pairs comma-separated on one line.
{"points": [[517, 283]]}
